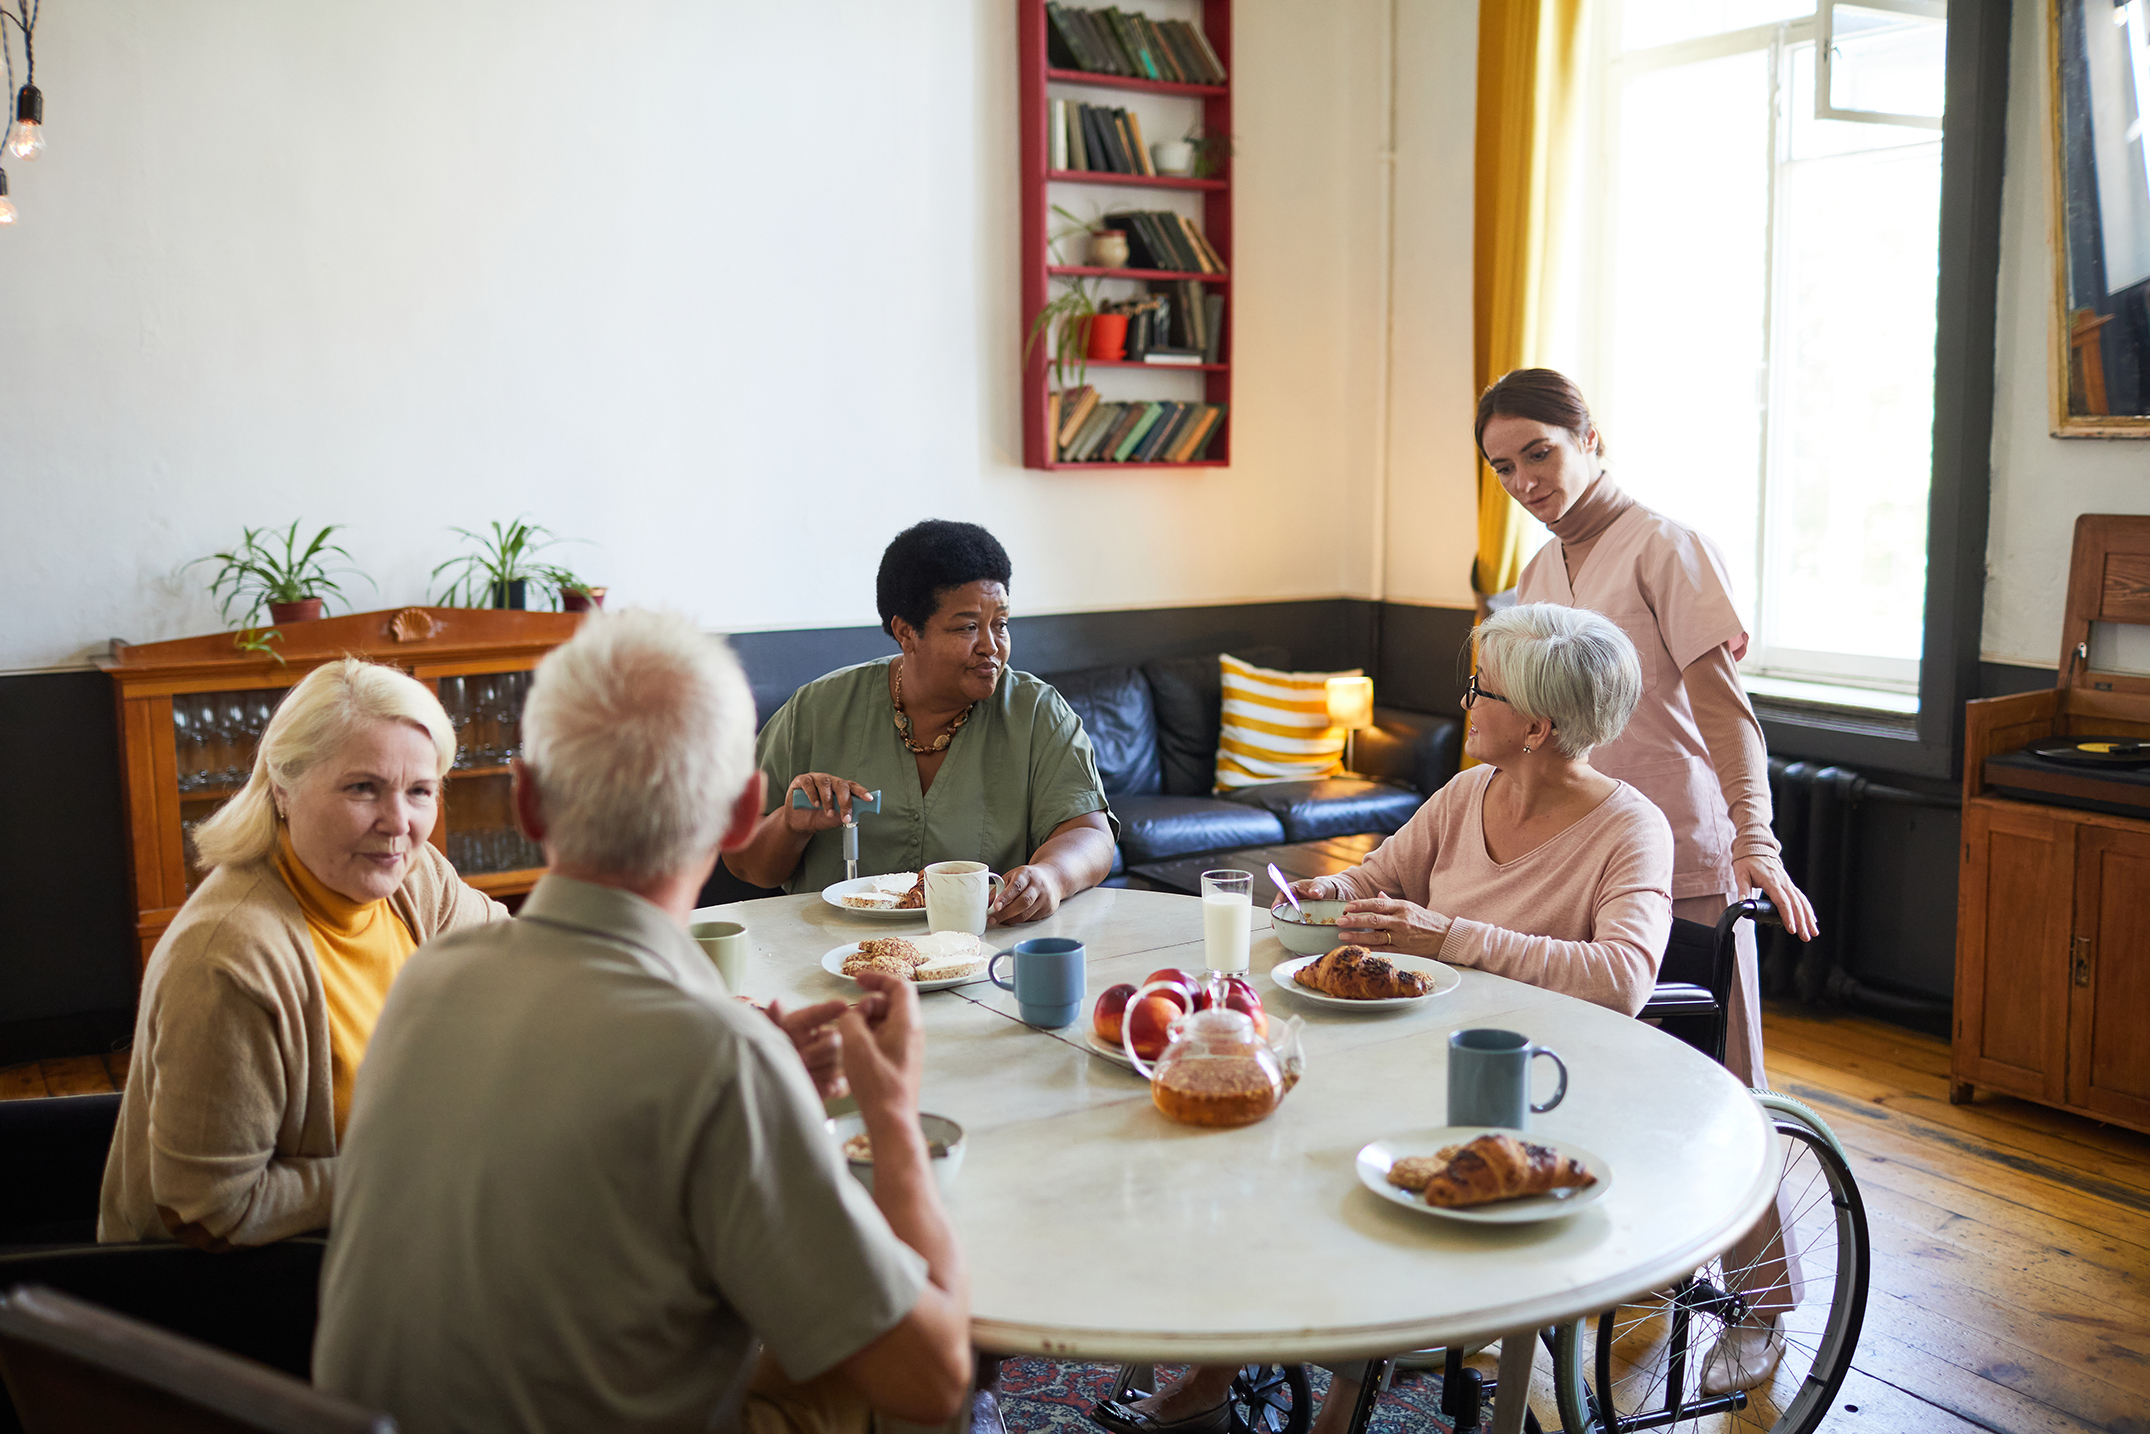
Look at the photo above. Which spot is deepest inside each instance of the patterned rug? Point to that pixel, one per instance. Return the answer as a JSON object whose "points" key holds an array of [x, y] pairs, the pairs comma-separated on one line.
{"points": [[1044, 1396]]}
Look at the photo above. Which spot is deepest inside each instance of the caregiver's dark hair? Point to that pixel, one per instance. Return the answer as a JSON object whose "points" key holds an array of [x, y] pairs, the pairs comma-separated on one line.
{"points": [[1539, 394]]}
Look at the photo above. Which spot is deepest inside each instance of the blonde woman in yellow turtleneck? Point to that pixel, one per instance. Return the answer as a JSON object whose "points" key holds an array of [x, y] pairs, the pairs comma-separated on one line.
{"points": [[259, 1000]]}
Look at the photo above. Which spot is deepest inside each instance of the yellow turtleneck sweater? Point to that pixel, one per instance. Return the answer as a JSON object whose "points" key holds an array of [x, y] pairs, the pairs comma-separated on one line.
{"points": [[360, 947]]}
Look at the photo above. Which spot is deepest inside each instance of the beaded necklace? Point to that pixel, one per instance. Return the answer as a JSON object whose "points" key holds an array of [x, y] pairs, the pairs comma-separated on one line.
{"points": [[903, 723]]}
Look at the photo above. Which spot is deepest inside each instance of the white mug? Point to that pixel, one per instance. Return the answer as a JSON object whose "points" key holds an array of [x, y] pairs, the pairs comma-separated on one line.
{"points": [[958, 894]]}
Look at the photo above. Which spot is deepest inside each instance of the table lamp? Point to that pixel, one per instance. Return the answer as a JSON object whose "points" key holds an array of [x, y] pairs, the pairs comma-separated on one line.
{"points": [[1351, 707]]}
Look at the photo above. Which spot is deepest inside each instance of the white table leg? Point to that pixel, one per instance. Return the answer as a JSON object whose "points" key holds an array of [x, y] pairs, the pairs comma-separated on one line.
{"points": [[1518, 1348]]}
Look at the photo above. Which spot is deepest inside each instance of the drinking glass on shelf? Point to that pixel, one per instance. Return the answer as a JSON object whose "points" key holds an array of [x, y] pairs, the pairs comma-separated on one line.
{"points": [[184, 740], [231, 728], [1227, 919]]}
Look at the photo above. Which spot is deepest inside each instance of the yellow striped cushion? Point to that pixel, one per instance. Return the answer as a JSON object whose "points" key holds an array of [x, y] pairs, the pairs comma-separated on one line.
{"points": [[1276, 726]]}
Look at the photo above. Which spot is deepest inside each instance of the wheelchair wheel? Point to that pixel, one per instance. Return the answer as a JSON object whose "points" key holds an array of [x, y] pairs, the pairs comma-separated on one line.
{"points": [[1643, 1362], [1271, 1399]]}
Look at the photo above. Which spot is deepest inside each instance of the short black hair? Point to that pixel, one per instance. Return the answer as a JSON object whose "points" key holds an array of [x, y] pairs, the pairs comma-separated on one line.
{"points": [[928, 559]]}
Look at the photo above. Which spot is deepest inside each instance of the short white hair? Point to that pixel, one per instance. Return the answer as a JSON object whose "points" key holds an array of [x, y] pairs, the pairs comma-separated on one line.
{"points": [[322, 712], [1567, 665], [639, 736]]}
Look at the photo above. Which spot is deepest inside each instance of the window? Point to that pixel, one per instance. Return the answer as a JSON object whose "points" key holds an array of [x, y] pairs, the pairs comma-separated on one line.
{"points": [[1761, 345]]}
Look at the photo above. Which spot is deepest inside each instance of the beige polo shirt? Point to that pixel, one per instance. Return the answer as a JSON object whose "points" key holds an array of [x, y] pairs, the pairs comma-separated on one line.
{"points": [[580, 1179]]}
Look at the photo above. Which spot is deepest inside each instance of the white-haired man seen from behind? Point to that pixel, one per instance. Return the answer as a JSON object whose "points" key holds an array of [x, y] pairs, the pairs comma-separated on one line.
{"points": [[581, 1180]]}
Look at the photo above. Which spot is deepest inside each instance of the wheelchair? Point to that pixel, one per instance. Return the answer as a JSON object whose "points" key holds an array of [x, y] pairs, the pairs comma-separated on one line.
{"points": [[1640, 1366]]}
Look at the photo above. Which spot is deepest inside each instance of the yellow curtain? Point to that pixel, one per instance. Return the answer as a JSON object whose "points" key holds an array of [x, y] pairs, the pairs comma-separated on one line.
{"points": [[1529, 56]]}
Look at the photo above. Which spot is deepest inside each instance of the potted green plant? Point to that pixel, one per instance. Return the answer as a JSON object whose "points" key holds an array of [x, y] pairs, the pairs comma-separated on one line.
{"points": [[571, 593], [1210, 151], [498, 575], [270, 570], [1064, 322]]}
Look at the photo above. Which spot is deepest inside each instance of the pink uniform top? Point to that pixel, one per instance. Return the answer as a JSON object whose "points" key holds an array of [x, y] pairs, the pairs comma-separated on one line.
{"points": [[1665, 586], [1586, 913]]}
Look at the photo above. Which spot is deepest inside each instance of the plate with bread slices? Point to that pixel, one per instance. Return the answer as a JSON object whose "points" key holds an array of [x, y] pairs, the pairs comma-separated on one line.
{"points": [[1352, 978], [933, 963], [898, 896], [1483, 1174]]}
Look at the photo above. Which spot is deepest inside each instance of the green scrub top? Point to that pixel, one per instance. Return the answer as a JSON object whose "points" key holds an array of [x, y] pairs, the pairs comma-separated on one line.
{"points": [[1020, 767]]}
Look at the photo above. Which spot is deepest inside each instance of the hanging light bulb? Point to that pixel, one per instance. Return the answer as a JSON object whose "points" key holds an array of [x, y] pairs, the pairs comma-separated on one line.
{"points": [[7, 205], [28, 140]]}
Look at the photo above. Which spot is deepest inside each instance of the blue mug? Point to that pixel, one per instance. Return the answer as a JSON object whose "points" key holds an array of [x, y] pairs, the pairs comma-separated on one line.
{"points": [[1489, 1079], [1050, 980]]}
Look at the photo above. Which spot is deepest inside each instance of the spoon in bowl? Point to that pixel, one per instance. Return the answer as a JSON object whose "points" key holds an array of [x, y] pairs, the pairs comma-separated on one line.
{"points": [[1277, 879]]}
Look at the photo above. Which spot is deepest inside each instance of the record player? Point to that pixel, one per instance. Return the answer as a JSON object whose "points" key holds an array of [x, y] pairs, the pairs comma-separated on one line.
{"points": [[2086, 743]]}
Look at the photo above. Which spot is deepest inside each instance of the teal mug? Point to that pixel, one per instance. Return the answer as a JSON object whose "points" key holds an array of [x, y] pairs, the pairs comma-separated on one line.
{"points": [[1489, 1079]]}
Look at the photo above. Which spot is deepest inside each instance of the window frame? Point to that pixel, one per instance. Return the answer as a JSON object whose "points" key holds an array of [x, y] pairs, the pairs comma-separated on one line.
{"points": [[1973, 138]]}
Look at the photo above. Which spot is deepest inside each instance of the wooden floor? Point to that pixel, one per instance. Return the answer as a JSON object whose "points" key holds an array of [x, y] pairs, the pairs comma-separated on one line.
{"points": [[2011, 1286]]}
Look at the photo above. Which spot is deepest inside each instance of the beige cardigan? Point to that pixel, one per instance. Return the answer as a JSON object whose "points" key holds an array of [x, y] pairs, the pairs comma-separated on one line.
{"points": [[227, 1119]]}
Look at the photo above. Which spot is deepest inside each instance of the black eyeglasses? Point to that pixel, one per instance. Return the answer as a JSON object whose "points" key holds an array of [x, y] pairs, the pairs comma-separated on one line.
{"points": [[1472, 692]]}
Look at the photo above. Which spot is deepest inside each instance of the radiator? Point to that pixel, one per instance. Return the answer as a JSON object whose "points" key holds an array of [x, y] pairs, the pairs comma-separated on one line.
{"points": [[1818, 824]]}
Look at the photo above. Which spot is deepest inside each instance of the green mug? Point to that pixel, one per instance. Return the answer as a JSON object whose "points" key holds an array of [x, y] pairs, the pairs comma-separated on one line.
{"points": [[725, 943]]}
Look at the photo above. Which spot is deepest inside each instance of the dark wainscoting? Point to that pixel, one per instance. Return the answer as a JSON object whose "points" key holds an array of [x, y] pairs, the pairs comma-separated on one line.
{"points": [[66, 941], [67, 978]]}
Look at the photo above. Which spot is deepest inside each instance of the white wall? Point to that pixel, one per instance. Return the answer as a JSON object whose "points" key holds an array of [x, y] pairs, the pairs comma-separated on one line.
{"points": [[729, 290], [2040, 483]]}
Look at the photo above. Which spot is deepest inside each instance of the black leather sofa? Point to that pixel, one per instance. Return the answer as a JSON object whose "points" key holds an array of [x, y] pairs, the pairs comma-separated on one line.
{"points": [[1154, 727]]}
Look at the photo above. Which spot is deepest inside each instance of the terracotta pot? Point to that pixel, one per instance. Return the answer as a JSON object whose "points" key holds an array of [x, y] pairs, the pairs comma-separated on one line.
{"points": [[1108, 337], [587, 600], [304, 610]]}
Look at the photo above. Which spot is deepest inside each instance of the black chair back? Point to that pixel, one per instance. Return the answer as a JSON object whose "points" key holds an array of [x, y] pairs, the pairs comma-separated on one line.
{"points": [[73, 1368], [56, 1148], [1693, 999]]}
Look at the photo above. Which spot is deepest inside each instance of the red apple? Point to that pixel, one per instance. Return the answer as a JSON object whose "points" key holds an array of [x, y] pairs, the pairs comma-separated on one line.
{"points": [[1239, 996], [1148, 1024], [1183, 982], [1111, 1006]]}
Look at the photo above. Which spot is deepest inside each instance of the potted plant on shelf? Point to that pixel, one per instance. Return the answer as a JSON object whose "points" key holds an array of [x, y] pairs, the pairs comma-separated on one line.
{"points": [[571, 593], [270, 570], [1211, 151], [1065, 323], [498, 575]]}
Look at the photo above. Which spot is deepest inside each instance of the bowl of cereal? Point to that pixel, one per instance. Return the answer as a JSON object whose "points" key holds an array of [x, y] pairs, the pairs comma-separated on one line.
{"points": [[944, 1145], [1311, 934]]}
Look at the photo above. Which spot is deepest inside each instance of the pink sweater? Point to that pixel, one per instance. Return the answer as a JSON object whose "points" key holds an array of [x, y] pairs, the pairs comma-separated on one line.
{"points": [[1587, 913]]}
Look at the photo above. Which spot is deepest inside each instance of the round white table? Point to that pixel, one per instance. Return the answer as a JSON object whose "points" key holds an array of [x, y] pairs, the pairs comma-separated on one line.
{"points": [[1098, 1229]]}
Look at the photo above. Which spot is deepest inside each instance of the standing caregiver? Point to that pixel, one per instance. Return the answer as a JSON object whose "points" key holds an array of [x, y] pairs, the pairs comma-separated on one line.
{"points": [[1693, 746]]}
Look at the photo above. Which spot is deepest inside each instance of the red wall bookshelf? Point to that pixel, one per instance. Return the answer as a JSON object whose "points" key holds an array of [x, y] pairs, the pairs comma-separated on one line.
{"points": [[1041, 82]]}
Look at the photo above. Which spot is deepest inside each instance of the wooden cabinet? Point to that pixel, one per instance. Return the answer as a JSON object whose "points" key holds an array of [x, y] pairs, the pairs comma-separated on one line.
{"points": [[2053, 959], [192, 711], [2053, 905]]}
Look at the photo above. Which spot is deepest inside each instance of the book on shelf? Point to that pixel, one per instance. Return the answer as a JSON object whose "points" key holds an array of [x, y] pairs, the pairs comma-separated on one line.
{"points": [[1112, 41], [1140, 431], [1097, 139], [1076, 405], [1174, 358], [1056, 139], [1212, 328], [1052, 423], [1161, 239]]}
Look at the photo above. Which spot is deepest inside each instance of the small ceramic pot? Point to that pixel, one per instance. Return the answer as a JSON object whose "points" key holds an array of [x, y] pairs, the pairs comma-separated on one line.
{"points": [[302, 610], [1108, 249], [510, 595], [1174, 157], [586, 600]]}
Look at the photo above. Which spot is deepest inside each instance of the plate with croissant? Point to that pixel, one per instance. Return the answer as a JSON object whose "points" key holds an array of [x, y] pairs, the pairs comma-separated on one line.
{"points": [[898, 896], [1356, 979], [1482, 1174]]}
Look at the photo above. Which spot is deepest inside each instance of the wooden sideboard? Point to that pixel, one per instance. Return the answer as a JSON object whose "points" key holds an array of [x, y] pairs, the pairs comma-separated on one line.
{"points": [[2053, 907], [192, 711]]}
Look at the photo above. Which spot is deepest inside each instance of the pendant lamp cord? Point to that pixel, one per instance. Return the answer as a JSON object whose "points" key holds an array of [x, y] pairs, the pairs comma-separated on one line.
{"points": [[24, 14]]}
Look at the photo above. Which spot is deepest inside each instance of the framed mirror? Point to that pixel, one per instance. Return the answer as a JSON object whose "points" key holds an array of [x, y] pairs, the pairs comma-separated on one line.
{"points": [[2100, 92]]}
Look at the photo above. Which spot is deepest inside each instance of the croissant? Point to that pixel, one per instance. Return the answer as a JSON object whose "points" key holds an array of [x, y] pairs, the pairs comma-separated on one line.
{"points": [[1501, 1167], [1356, 974]]}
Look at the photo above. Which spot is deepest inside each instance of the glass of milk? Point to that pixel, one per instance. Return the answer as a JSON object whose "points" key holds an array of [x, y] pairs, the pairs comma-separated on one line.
{"points": [[1227, 919]]}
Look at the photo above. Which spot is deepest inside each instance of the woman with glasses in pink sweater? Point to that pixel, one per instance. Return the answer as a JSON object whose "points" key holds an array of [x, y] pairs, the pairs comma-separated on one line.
{"points": [[1533, 865]]}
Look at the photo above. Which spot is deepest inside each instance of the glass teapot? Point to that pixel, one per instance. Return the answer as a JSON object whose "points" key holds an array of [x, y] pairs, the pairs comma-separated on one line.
{"points": [[1215, 1069]]}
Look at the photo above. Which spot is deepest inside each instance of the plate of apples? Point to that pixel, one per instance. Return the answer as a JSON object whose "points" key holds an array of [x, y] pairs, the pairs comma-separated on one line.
{"points": [[1150, 1020]]}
